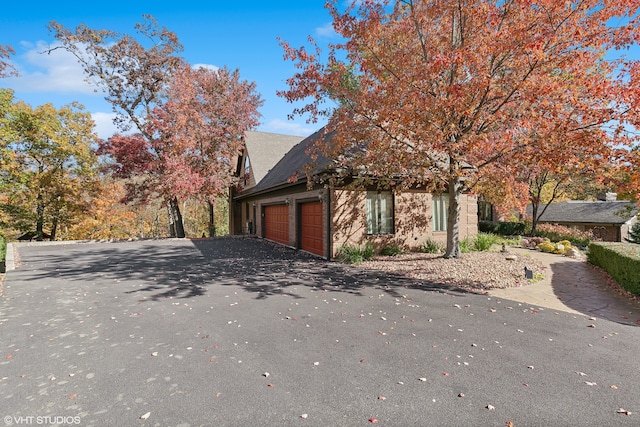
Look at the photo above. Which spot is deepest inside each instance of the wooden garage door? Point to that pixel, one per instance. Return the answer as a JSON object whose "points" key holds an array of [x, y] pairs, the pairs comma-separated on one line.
{"points": [[311, 236], [276, 223]]}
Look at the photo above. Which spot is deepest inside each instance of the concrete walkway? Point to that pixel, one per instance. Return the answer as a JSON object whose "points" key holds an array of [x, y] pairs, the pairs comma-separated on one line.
{"points": [[575, 286]]}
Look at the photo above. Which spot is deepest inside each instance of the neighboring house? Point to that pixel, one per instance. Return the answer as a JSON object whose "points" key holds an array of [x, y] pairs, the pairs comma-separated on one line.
{"points": [[319, 217], [607, 218]]}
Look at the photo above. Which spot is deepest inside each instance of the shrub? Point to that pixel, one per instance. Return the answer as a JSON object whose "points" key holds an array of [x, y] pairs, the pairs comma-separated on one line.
{"points": [[532, 242], [368, 251], [466, 245], [559, 248], [555, 233], [484, 241], [634, 234], [355, 254], [391, 250], [620, 260], [547, 246], [506, 228], [430, 247]]}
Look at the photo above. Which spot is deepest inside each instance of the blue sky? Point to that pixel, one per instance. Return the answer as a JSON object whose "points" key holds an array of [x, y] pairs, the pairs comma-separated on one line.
{"points": [[236, 34]]}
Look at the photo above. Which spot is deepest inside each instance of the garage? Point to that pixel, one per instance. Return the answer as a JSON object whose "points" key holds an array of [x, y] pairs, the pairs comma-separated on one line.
{"points": [[276, 223], [311, 235]]}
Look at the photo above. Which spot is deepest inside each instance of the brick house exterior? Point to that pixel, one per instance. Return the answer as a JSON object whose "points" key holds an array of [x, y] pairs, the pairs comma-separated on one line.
{"points": [[321, 218]]}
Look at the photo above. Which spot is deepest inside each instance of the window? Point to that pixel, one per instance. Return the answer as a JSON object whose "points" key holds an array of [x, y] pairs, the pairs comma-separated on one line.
{"points": [[440, 207], [379, 212], [247, 165], [485, 211]]}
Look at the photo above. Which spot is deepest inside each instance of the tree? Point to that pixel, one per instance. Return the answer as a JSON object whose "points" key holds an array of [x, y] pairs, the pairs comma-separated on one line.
{"points": [[106, 217], [634, 234], [196, 134], [6, 68], [191, 122], [201, 128], [132, 75], [449, 93], [48, 166]]}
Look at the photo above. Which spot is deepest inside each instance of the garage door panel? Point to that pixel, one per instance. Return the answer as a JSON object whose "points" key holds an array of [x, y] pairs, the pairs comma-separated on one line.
{"points": [[311, 231], [276, 223]]}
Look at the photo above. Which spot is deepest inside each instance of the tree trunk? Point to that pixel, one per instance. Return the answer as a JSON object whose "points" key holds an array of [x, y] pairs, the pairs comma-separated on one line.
{"points": [[212, 224], [39, 218], [54, 228], [172, 221], [453, 219], [176, 217], [535, 205]]}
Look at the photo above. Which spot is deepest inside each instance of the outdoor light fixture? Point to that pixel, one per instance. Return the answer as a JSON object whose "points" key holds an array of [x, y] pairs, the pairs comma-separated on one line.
{"points": [[528, 274]]}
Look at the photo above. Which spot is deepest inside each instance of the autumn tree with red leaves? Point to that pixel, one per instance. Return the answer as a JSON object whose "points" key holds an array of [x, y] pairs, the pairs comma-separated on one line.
{"points": [[189, 123], [194, 137], [453, 93]]}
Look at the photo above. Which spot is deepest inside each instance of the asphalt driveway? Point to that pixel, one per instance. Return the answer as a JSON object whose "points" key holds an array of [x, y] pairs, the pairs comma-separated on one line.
{"points": [[240, 332]]}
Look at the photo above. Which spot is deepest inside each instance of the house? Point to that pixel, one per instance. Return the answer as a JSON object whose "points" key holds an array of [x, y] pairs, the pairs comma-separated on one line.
{"points": [[320, 216], [607, 218]]}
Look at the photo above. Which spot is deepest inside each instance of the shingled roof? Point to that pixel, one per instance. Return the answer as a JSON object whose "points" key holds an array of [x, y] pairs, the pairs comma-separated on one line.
{"points": [[587, 212], [265, 149], [292, 164]]}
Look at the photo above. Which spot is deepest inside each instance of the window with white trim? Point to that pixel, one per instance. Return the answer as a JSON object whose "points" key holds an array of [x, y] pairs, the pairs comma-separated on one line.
{"points": [[440, 208], [379, 212]]}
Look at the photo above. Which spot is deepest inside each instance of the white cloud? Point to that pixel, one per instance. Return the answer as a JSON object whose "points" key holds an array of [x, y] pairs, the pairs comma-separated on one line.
{"points": [[205, 66], [326, 30], [104, 124], [56, 71], [289, 127]]}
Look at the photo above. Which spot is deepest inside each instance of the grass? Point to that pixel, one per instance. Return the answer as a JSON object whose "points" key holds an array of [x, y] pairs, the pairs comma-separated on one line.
{"points": [[355, 254], [430, 247], [391, 250]]}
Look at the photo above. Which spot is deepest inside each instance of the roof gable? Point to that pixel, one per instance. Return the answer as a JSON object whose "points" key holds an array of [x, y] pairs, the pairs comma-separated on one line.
{"points": [[266, 149], [291, 164]]}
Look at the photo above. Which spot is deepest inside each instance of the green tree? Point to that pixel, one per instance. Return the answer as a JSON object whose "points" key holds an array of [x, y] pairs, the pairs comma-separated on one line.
{"points": [[634, 234], [48, 164]]}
